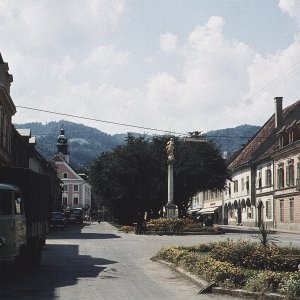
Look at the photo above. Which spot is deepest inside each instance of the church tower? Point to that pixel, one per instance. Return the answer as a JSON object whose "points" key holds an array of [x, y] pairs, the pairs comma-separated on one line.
{"points": [[62, 145]]}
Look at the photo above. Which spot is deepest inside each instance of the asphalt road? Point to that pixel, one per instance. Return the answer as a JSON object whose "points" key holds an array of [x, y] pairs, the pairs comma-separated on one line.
{"points": [[98, 262]]}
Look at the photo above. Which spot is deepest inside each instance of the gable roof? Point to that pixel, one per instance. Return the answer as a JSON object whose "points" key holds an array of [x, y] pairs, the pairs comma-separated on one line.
{"points": [[265, 140]]}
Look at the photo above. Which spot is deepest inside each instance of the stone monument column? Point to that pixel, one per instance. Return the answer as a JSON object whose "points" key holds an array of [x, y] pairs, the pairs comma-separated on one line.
{"points": [[170, 207]]}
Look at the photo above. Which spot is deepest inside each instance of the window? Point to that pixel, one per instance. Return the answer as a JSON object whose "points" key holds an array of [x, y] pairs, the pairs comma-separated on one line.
{"points": [[75, 187], [236, 186], [75, 200], [268, 209], [242, 184], [247, 184], [18, 205], [249, 213], [259, 181], [290, 175], [268, 177], [291, 209], [5, 203], [65, 200], [298, 177], [65, 175], [280, 178], [65, 187], [229, 189], [298, 170], [281, 211]]}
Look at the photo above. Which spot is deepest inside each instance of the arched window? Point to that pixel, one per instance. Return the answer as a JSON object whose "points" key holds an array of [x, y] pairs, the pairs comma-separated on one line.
{"points": [[65, 175]]}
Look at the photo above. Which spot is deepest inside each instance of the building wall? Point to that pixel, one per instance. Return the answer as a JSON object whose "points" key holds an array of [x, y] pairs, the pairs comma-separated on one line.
{"points": [[81, 197], [239, 207], [287, 195], [7, 110], [264, 189]]}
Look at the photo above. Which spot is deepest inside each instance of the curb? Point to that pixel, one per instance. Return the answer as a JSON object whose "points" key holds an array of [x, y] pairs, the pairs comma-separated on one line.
{"points": [[198, 281], [246, 294], [208, 287]]}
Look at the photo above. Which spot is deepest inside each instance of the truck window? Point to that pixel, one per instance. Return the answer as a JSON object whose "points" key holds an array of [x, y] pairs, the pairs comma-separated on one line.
{"points": [[5, 203], [18, 206]]}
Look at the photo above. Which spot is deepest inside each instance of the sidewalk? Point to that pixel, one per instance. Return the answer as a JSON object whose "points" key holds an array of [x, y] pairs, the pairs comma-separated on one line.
{"points": [[248, 229]]}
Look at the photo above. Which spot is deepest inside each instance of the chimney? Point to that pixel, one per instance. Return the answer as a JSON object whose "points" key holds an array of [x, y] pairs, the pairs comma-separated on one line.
{"points": [[278, 111]]}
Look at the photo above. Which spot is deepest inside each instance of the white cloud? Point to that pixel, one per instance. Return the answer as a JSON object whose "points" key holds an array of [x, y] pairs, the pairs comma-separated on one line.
{"points": [[105, 59], [292, 7], [168, 42], [65, 60]]}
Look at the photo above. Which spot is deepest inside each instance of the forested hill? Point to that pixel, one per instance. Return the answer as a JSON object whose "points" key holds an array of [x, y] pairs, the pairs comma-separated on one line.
{"points": [[86, 143], [231, 139]]}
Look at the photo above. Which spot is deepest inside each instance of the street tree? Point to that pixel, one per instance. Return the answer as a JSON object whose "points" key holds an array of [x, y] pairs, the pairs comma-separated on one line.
{"points": [[133, 177]]}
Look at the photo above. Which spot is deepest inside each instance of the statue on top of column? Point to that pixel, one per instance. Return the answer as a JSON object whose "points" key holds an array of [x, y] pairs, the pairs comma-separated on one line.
{"points": [[170, 149]]}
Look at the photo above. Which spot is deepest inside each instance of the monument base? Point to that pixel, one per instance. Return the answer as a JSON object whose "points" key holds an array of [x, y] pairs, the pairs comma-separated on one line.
{"points": [[171, 210]]}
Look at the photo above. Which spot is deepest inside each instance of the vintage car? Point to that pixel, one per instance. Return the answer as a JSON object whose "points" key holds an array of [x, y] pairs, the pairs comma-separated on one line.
{"points": [[72, 219], [57, 220]]}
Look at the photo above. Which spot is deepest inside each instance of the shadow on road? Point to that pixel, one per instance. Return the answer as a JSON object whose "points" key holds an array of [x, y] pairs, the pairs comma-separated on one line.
{"points": [[61, 267], [75, 232], [83, 236]]}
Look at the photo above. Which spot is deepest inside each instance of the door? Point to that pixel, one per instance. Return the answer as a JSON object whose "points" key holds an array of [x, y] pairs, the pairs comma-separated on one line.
{"points": [[260, 214]]}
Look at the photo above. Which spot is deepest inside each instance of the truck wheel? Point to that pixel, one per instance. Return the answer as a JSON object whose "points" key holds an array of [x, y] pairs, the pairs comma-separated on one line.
{"points": [[21, 260], [36, 255]]}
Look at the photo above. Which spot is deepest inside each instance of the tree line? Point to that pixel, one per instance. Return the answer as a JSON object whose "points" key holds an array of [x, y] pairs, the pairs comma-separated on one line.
{"points": [[132, 177]]}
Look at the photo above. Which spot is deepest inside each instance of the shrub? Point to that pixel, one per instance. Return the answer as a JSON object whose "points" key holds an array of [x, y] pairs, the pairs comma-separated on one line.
{"points": [[221, 273], [170, 254], [217, 262], [178, 226], [126, 228], [255, 256], [204, 247], [290, 285], [235, 253], [265, 282]]}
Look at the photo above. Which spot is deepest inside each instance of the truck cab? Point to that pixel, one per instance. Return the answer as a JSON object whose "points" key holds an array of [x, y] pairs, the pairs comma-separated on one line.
{"points": [[12, 223]]}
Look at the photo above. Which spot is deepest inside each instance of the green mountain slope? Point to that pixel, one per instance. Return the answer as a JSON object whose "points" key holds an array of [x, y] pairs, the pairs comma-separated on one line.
{"points": [[86, 143]]}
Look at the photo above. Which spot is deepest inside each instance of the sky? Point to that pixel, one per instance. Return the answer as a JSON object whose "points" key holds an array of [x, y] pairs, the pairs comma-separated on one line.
{"points": [[171, 65]]}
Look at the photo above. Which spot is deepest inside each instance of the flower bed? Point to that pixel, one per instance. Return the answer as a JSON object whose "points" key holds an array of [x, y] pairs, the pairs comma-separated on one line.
{"points": [[246, 265], [178, 226]]}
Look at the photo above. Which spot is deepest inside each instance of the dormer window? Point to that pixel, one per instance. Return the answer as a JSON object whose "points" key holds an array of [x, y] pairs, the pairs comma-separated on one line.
{"points": [[65, 175]]}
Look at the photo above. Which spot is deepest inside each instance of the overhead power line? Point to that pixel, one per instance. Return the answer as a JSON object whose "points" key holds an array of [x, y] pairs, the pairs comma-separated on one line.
{"points": [[99, 120], [130, 125]]}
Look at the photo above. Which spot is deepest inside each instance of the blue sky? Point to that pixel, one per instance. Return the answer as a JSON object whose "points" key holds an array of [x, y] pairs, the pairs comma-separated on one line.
{"points": [[168, 64]]}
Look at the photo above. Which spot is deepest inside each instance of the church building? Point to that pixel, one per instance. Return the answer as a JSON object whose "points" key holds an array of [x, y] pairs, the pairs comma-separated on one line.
{"points": [[76, 189]]}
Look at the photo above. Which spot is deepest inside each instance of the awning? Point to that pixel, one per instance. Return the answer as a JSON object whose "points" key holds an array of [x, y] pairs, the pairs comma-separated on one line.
{"points": [[193, 212], [208, 210]]}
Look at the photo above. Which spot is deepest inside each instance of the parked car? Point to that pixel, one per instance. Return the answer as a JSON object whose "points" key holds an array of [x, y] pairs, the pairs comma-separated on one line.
{"points": [[57, 220], [72, 219]]}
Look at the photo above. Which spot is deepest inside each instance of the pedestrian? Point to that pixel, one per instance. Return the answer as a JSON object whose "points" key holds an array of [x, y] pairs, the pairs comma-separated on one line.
{"points": [[139, 223]]}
